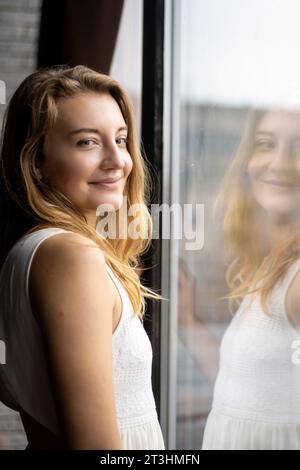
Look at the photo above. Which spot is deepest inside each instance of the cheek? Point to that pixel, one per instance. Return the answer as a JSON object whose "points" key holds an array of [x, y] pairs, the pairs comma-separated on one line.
{"points": [[256, 166], [67, 169], [128, 165]]}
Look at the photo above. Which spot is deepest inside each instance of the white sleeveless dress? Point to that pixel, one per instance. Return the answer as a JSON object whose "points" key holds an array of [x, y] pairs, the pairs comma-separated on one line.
{"points": [[24, 382], [256, 403]]}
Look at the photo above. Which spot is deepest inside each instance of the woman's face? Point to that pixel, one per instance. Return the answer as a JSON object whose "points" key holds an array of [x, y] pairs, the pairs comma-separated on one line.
{"points": [[85, 149], [274, 167]]}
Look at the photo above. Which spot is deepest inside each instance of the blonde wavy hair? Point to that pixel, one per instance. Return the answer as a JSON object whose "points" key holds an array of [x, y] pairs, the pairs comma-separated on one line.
{"points": [[28, 204], [253, 266]]}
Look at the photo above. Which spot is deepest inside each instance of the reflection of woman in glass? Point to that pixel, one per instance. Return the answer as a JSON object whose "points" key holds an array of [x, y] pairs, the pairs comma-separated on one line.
{"points": [[257, 392]]}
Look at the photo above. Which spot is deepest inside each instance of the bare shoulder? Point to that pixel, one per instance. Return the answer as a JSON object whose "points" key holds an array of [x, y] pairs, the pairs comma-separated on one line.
{"points": [[68, 244], [65, 266]]}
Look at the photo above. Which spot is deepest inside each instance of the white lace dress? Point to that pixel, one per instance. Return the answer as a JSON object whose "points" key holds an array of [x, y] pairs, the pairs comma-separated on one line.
{"points": [[24, 382], [256, 402]]}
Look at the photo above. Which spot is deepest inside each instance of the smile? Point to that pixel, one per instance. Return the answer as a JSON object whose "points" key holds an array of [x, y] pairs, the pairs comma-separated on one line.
{"points": [[114, 184], [280, 184]]}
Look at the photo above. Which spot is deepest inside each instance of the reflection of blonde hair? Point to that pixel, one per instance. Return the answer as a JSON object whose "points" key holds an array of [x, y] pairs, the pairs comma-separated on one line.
{"points": [[252, 266], [27, 203]]}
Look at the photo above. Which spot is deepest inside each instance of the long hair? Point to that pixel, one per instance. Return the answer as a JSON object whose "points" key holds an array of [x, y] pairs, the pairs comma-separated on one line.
{"points": [[28, 203], [253, 266]]}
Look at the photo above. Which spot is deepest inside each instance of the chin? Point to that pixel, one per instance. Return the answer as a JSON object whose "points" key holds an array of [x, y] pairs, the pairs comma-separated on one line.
{"points": [[275, 201], [278, 208], [110, 204]]}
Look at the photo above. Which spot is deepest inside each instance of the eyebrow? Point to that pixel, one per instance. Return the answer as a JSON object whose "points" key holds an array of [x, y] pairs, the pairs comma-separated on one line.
{"points": [[94, 131], [264, 133], [272, 134]]}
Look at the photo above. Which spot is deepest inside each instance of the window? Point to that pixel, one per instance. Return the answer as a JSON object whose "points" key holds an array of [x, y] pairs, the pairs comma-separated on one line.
{"points": [[221, 60], [127, 60]]}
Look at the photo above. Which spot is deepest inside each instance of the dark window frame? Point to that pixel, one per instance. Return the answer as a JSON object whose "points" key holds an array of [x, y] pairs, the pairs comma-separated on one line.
{"points": [[152, 140]]}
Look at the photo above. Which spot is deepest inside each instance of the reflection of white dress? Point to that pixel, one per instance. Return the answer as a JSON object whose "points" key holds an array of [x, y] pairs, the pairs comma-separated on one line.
{"points": [[256, 402], [24, 382]]}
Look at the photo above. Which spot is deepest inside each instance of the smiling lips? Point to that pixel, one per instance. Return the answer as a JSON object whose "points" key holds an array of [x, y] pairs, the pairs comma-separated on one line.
{"points": [[281, 184], [108, 183]]}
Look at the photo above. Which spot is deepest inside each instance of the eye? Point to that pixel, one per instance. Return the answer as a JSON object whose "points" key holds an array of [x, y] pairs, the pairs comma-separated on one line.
{"points": [[122, 141], [264, 145], [84, 143]]}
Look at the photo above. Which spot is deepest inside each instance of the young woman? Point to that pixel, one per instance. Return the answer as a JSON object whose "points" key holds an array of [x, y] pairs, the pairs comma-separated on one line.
{"points": [[256, 401], [78, 360]]}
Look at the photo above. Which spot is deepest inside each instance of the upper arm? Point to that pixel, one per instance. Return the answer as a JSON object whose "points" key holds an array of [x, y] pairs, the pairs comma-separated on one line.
{"points": [[73, 300]]}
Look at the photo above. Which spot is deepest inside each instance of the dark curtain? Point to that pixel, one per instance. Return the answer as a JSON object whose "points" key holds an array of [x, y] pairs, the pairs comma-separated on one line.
{"points": [[77, 32]]}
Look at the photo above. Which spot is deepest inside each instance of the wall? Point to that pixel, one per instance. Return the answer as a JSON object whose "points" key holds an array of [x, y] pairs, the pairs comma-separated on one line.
{"points": [[19, 22]]}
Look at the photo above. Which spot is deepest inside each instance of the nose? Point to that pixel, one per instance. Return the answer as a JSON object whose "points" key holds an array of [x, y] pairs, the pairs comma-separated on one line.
{"points": [[114, 157], [282, 159]]}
